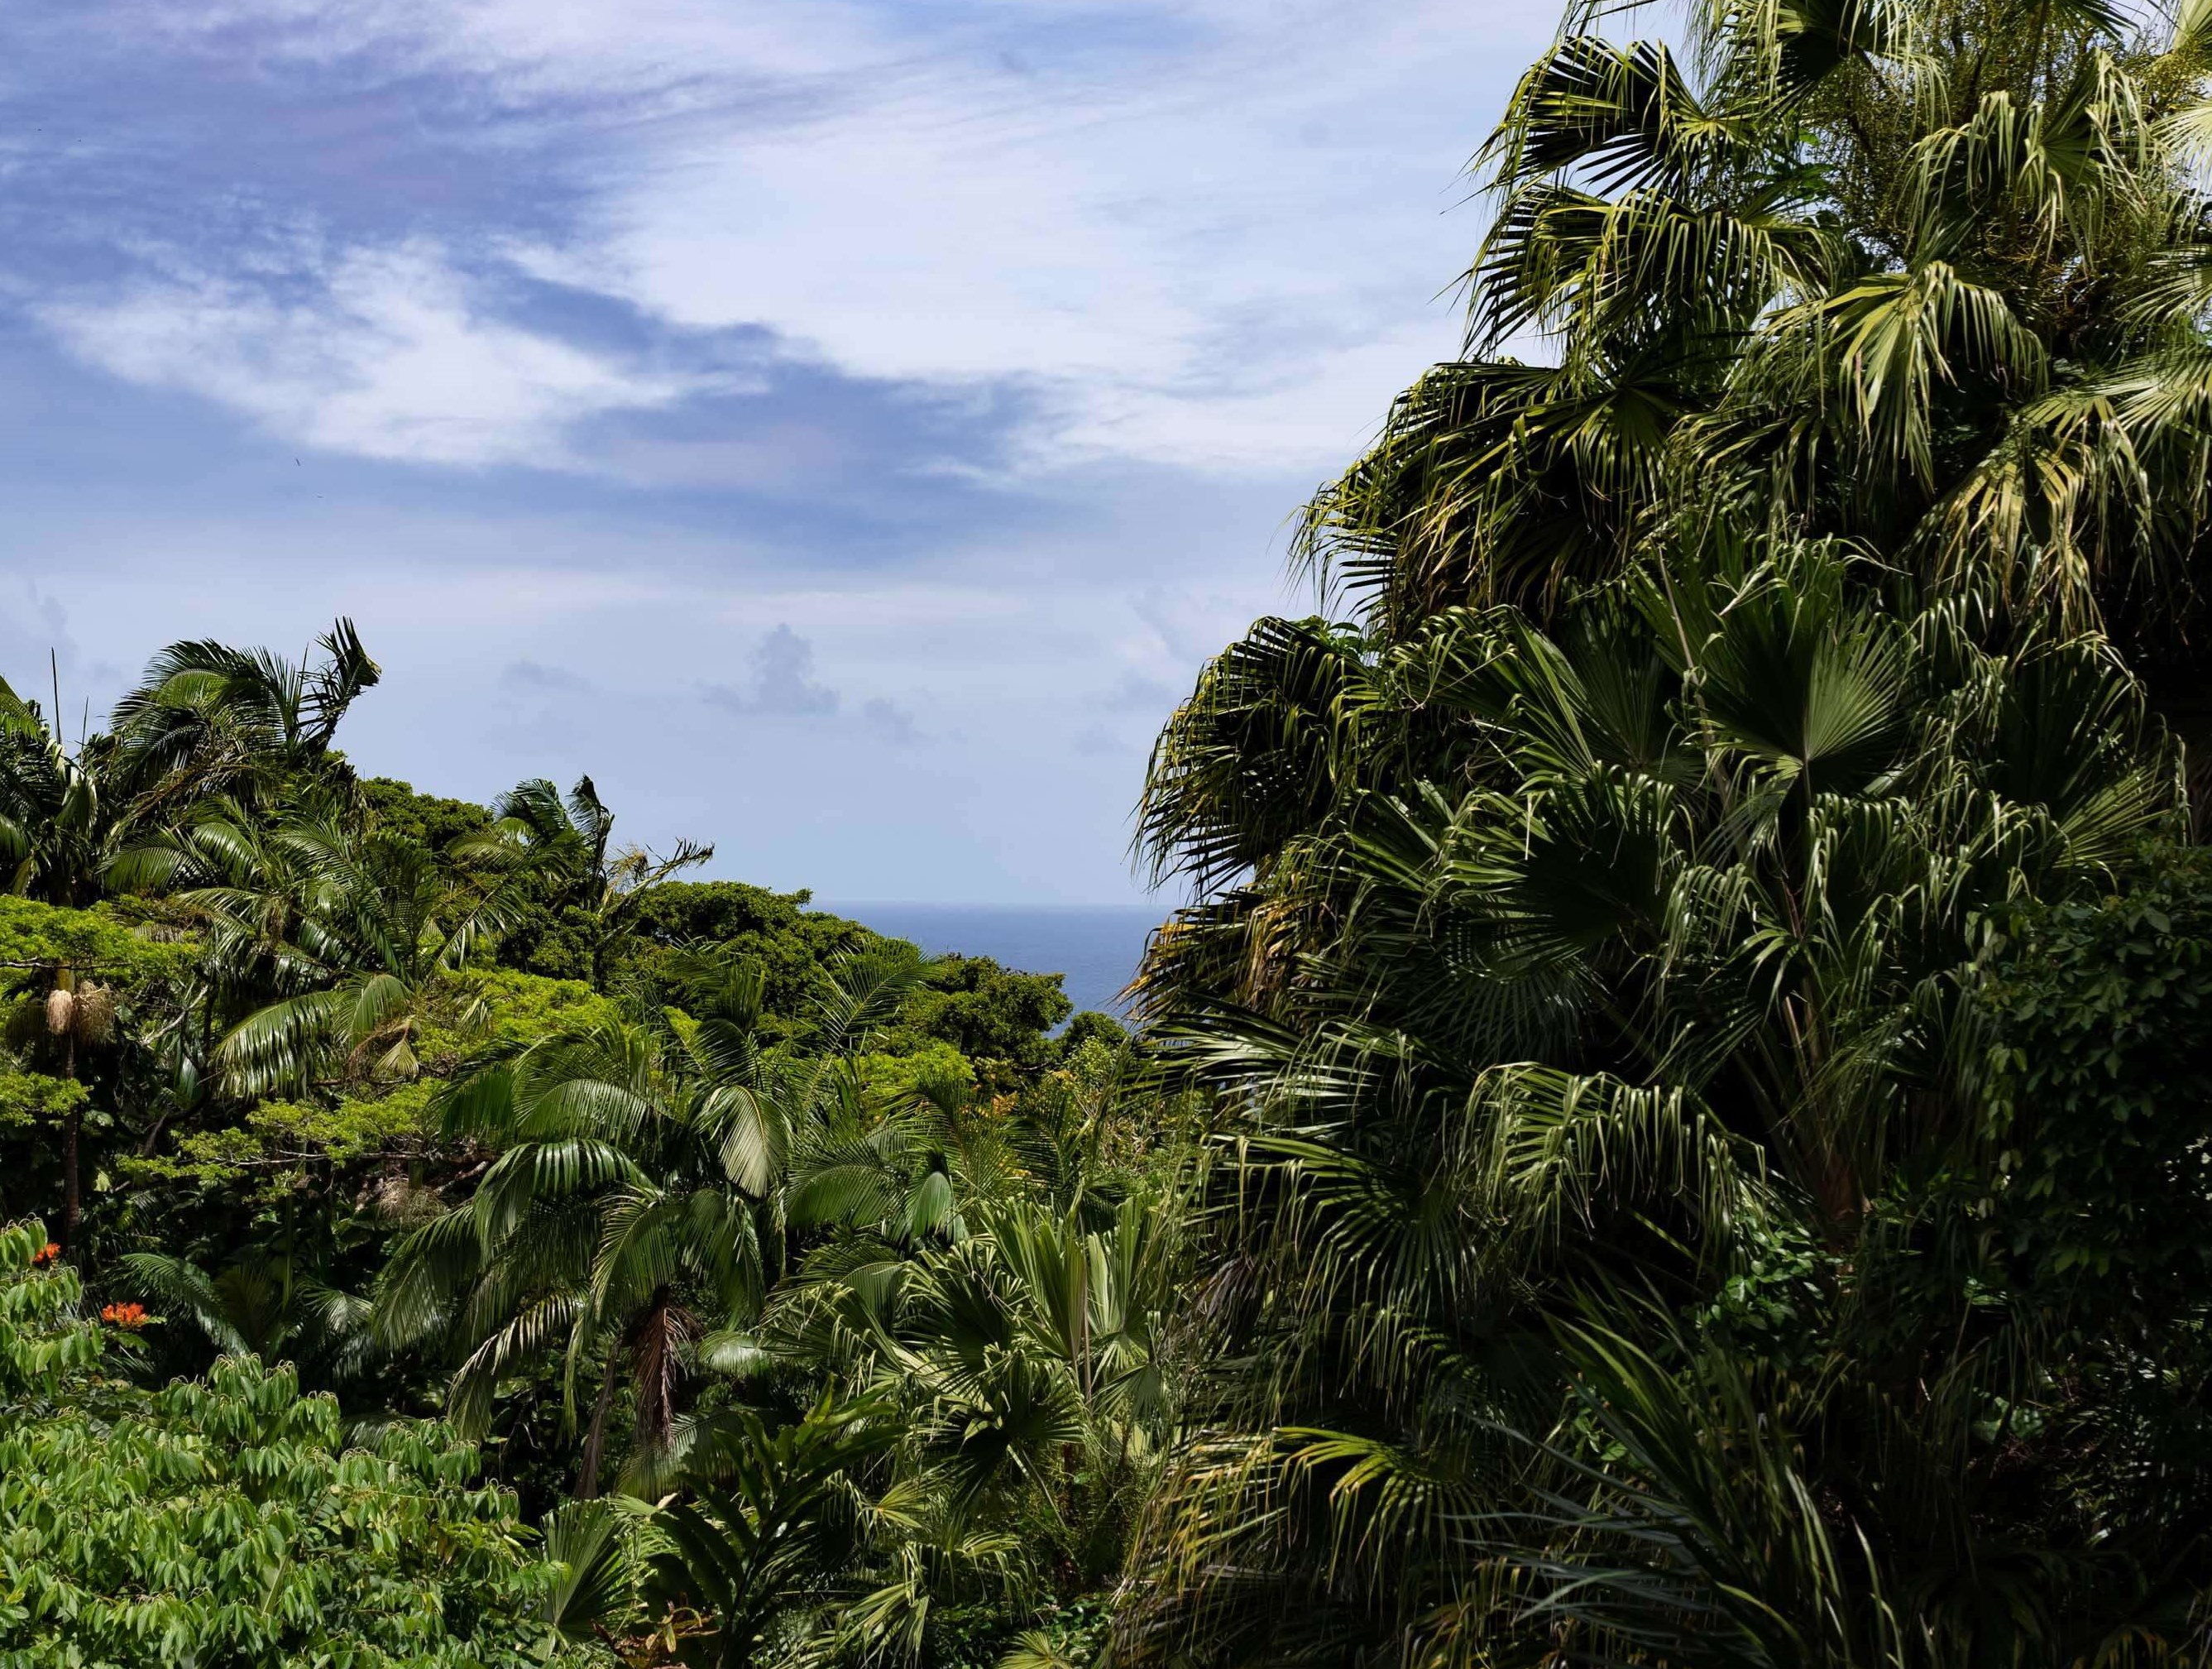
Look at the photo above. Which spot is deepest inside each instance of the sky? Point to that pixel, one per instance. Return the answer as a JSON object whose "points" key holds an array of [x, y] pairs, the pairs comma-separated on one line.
{"points": [[842, 429]]}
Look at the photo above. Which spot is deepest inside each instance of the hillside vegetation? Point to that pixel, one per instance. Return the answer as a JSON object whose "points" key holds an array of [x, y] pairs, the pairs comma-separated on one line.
{"points": [[1674, 1131]]}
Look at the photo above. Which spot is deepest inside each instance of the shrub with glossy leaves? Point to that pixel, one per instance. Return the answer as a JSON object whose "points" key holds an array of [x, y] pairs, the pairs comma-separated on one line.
{"points": [[230, 1521]]}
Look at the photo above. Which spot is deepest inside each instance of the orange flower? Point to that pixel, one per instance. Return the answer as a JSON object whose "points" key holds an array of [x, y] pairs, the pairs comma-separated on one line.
{"points": [[129, 1317], [45, 1255]]}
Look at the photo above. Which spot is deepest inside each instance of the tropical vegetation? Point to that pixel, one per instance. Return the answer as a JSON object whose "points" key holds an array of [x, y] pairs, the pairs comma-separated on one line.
{"points": [[1673, 1129], [412, 1142], [1679, 952], [231, 1520]]}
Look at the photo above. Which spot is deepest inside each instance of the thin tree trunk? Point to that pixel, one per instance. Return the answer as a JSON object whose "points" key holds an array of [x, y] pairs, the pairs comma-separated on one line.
{"points": [[655, 1344], [72, 1124], [595, 1441]]}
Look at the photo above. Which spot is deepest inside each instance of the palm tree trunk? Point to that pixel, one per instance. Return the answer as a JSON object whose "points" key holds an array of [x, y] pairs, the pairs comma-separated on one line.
{"points": [[655, 1343], [595, 1441]]}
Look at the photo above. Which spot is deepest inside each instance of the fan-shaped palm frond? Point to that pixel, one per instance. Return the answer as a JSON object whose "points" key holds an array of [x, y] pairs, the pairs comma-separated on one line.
{"points": [[1664, 949]]}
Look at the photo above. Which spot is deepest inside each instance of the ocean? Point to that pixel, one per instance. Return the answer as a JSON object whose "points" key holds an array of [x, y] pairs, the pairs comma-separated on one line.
{"points": [[1095, 948]]}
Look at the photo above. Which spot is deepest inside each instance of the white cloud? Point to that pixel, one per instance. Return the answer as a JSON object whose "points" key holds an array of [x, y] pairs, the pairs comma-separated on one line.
{"points": [[534, 48], [1174, 255], [380, 352], [1206, 232]]}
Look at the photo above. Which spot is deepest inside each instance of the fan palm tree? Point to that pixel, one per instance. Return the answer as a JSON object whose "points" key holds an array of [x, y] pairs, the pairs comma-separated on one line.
{"points": [[1587, 935], [1625, 951], [1930, 277]]}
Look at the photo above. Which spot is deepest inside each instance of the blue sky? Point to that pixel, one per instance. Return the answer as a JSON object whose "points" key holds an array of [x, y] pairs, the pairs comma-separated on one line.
{"points": [[841, 428]]}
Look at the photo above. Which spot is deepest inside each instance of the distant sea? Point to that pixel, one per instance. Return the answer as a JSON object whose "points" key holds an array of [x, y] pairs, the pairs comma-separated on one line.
{"points": [[1095, 948]]}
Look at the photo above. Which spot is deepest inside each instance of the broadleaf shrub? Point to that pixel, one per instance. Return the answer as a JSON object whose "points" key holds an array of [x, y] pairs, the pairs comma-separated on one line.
{"points": [[230, 1521]]}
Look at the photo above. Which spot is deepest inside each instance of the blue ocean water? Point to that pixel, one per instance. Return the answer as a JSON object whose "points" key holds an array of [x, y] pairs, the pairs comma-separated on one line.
{"points": [[1095, 948]]}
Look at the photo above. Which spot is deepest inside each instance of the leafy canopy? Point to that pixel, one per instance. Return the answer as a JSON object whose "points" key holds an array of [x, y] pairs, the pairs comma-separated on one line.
{"points": [[231, 1520]]}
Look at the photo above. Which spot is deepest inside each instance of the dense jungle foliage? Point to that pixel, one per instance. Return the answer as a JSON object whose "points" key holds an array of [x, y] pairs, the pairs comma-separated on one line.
{"points": [[454, 1166], [1675, 1130], [1702, 960]]}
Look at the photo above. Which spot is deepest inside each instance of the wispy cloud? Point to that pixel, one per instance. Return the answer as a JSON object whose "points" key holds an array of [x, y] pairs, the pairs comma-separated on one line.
{"points": [[529, 676], [1156, 237], [381, 353], [984, 347], [1186, 230]]}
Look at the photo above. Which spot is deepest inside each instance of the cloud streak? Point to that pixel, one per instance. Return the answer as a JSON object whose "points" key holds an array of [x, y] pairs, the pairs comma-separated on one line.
{"points": [[383, 354], [1206, 229], [785, 412]]}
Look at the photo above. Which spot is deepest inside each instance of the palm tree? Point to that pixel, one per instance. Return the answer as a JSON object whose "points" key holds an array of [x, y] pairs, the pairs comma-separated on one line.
{"points": [[1026, 1357], [776, 1530], [779, 1550], [895, 1174], [209, 720], [260, 1303], [1573, 975], [1932, 277], [206, 722], [331, 939], [56, 825], [566, 845], [634, 1202], [981, 1271]]}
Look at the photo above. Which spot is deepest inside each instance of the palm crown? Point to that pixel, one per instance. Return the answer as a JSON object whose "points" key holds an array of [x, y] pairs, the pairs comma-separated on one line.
{"points": [[1931, 277]]}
